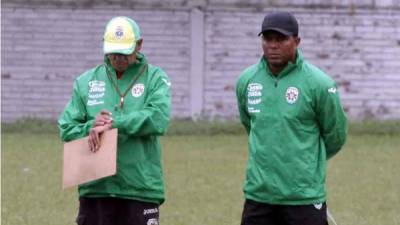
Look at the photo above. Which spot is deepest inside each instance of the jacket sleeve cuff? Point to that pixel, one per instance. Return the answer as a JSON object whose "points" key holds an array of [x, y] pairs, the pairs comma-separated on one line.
{"points": [[117, 122], [88, 126]]}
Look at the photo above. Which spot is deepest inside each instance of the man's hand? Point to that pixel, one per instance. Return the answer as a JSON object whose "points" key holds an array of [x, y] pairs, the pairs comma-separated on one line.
{"points": [[103, 118], [102, 123], [94, 136]]}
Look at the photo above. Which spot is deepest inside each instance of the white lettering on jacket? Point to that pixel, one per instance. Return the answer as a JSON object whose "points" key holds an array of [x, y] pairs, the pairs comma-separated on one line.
{"points": [[254, 94], [96, 95], [254, 101], [150, 211], [253, 110], [97, 86], [97, 90], [254, 87], [92, 102]]}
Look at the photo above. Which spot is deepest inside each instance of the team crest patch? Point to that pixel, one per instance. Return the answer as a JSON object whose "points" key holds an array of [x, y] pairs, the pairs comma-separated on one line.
{"points": [[137, 90], [292, 94]]}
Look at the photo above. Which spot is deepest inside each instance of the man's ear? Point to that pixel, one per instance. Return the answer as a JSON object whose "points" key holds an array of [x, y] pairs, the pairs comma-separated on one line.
{"points": [[138, 45], [298, 39]]}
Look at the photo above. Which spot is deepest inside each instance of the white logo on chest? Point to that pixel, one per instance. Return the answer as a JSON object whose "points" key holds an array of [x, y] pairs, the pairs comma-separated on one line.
{"points": [[292, 94], [137, 90], [97, 89], [97, 86], [254, 87]]}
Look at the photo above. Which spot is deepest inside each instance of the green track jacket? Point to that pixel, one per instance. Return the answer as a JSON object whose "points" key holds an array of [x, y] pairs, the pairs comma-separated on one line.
{"points": [[144, 117], [295, 122]]}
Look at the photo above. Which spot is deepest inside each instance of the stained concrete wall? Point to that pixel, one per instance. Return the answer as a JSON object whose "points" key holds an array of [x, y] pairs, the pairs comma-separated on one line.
{"points": [[202, 45]]}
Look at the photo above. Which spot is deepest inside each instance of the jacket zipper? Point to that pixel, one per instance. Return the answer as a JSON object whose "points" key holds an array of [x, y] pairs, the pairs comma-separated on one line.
{"points": [[275, 82]]}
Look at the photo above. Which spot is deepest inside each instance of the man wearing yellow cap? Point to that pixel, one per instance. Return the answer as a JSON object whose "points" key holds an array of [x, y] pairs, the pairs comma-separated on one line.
{"points": [[127, 93]]}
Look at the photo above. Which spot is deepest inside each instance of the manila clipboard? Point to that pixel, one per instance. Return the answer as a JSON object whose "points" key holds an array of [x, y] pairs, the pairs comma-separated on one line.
{"points": [[81, 165]]}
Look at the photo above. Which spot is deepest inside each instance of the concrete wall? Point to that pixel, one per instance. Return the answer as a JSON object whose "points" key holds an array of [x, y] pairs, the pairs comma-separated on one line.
{"points": [[202, 45], [44, 49]]}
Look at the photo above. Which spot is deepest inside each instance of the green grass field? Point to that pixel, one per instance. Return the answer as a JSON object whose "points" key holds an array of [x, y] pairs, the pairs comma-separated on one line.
{"points": [[204, 174]]}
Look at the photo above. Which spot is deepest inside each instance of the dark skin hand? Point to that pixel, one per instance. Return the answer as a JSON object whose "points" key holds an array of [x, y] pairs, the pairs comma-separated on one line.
{"points": [[103, 122]]}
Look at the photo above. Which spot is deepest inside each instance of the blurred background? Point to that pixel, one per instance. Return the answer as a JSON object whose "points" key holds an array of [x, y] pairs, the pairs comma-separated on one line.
{"points": [[203, 45]]}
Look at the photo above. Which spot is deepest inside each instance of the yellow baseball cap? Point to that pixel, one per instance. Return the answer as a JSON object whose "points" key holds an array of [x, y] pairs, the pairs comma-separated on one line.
{"points": [[120, 36]]}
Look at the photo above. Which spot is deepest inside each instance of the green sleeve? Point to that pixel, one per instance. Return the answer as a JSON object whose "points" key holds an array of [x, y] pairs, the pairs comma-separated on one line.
{"points": [[242, 106], [153, 119], [73, 123], [331, 118]]}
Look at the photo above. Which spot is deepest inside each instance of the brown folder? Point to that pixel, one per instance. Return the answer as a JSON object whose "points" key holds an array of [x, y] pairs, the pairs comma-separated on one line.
{"points": [[81, 165]]}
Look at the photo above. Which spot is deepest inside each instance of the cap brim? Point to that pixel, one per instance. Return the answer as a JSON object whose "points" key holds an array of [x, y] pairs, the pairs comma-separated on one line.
{"points": [[284, 32], [118, 48]]}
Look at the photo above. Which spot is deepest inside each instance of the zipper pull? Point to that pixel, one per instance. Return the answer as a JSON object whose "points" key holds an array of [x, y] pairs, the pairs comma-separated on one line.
{"points": [[121, 103]]}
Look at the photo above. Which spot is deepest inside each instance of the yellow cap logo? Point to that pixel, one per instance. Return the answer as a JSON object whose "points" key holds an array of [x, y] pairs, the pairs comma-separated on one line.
{"points": [[119, 33]]}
